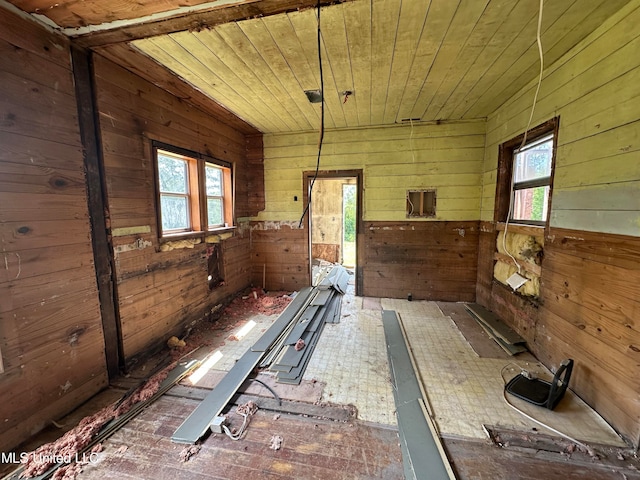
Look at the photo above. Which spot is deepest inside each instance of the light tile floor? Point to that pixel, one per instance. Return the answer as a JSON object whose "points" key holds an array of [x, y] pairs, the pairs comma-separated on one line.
{"points": [[464, 390], [351, 359]]}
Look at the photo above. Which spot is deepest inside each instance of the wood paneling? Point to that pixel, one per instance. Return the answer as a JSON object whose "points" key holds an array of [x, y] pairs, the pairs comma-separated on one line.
{"points": [[430, 260], [593, 89], [447, 157], [588, 305], [421, 60], [279, 253], [51, 338], [160, 292], [588, 310], [254, 176]]}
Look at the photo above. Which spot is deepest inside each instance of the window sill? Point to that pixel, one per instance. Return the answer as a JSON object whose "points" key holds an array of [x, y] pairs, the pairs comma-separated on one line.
{"points": [[533, 230]]}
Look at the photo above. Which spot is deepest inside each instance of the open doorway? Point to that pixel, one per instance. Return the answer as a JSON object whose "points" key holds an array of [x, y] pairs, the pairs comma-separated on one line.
{"points": [[334, 217]]}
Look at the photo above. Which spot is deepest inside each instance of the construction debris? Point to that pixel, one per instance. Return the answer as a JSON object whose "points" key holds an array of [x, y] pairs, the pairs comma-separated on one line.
{"points": [[276, 341], [291, 353], [246, 410], [59, 457], [502, 334], [423, 455], [276, 442], [188, 452], [175, 342]]}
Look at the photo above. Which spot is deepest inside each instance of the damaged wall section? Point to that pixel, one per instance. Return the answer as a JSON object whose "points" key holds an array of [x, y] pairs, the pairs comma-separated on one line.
{"points": [[163, 286], [588, 299]]}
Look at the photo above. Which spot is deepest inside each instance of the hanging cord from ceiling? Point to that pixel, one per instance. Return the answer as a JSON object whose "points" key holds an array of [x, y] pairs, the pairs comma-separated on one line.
{"points": [[526, 130], [413, 156], [320, 140]]}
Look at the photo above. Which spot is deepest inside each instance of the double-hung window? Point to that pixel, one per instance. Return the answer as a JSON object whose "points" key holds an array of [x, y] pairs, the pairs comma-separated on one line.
{"points": [[194, 192], [525, 176], [532, 181]]}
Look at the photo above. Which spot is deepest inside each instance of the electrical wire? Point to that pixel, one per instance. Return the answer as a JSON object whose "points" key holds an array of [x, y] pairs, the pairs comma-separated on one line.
{"points": [[320, 140], [275, 395], [526, 130], [588, 449]]}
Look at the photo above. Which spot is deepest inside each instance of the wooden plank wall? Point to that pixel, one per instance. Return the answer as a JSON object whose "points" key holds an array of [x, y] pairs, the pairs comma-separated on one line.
{"points": [[394, 159], [279, 256], [590, 283], [445, 156], [51, 338], [162, 290], [430, 260]]}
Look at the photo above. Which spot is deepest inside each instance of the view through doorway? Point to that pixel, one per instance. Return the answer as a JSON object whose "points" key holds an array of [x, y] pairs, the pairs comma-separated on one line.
{"points": [[333, 218]]}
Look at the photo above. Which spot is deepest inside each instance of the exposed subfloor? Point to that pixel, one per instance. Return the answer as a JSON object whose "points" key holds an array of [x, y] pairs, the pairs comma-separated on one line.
{"points": [[462, 375]]}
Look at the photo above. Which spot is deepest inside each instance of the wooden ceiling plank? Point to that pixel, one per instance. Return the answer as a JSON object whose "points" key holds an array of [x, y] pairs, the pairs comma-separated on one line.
{"points": [[283, 32], [217, 15], [305, 25], [338, 57], [507, 80], [228, 81], [605, 65], [216, 55], [386, 17], [523, 48], [492, 52], [438, 22], [183, 64], [357, 18], [465, 20], [411, 24], [259, 35], [496, 14]]}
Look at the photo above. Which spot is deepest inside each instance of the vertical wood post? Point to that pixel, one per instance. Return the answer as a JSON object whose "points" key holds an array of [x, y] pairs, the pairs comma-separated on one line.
{"points": [[98, 207]]}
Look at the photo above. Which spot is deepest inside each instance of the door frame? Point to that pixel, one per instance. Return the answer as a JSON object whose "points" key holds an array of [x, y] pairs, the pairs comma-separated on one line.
{"points": [[335, 174]]}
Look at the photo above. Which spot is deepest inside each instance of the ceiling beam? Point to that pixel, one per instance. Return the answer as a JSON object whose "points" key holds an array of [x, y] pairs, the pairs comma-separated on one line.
{"points": [[118, 32]]}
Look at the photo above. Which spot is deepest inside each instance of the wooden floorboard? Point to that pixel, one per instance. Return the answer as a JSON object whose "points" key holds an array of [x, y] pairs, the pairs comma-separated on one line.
{"points": [[477, 460], [480, 342], [312, 448]]}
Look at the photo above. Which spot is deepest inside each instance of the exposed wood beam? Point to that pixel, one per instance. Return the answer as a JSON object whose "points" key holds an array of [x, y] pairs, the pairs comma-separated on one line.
{"points": [[102, 249], [196, 21]]}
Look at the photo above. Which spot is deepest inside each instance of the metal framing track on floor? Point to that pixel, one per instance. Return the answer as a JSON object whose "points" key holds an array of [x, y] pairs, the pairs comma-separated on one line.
{"points": [[422, 452]]}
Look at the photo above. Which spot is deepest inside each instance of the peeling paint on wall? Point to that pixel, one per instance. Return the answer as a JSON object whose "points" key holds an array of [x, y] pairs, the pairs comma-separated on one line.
{"points": [[275, 225], [124, 231], [139, 244]]}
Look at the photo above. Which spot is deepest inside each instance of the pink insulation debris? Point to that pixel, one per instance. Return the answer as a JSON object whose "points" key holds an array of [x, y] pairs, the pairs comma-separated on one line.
{"points": [[188, 452], [71, 444]]}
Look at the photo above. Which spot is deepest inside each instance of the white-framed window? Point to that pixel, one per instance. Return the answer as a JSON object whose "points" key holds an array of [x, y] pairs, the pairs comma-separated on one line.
{"points": [[194, 192]]}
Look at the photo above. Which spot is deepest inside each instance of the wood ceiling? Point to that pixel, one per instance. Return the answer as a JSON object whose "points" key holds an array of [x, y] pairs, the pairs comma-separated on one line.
{"points": [[402, 59]]}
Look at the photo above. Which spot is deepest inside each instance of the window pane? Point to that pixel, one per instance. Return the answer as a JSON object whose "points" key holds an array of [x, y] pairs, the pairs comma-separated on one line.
{"points": [[214, 212], [172, 173], [214, 181], [531, 204], [533, 161], [175, 213]]}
